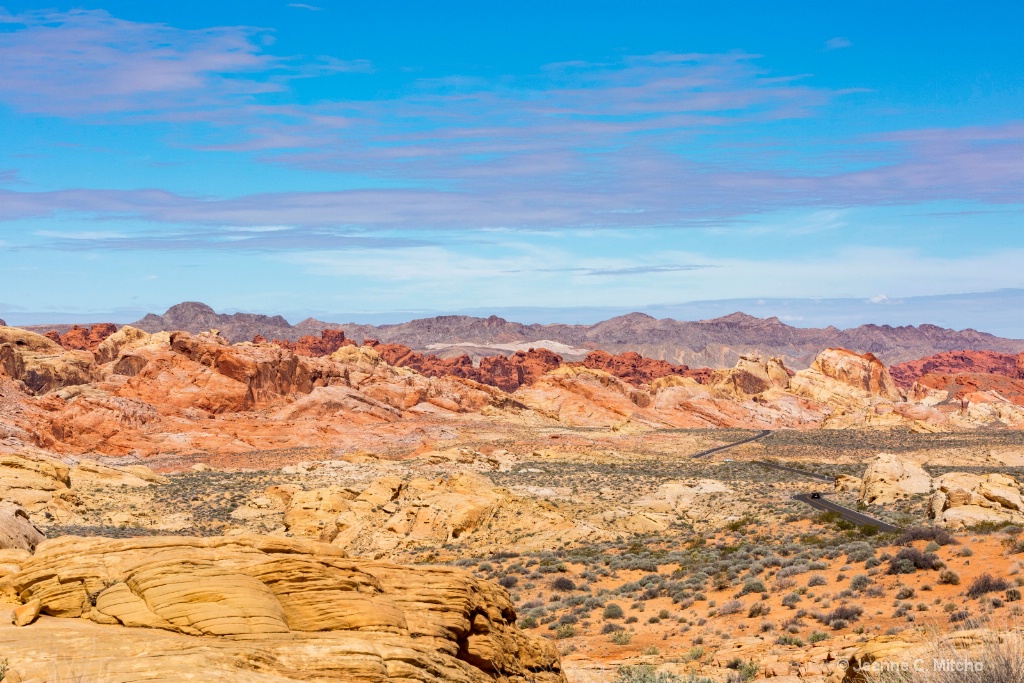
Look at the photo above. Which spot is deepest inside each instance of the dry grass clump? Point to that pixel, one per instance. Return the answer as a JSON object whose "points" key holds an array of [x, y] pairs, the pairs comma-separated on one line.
{"points": [[945, 660]]}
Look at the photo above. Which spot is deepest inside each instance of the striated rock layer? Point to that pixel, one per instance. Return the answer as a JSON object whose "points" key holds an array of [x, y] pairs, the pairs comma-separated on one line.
{"points": [[257, 608]]}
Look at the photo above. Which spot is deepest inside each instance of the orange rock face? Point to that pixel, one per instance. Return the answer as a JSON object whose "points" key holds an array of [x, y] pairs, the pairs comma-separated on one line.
{"points": [[637, 370], [861, 371], [970, 385], [958, 362], [508, 373], [308, 345], [82, 339]]}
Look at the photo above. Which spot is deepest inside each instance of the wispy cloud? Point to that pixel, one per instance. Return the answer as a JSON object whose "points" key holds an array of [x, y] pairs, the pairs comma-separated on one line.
{"points": [[299, 5], [837, 43]]}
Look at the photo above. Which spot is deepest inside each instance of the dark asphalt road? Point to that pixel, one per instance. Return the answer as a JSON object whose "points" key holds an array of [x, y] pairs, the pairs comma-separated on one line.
{"points": [[817, 503], [845, 513], [732, 445]]}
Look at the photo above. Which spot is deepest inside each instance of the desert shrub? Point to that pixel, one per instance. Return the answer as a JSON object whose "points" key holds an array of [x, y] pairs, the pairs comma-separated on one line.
{"points": [[859, 551], [758, 609], [817, 566], [986, 583], [905, 593], [563, 583], [621, 637], [787, 639], [792, 570], [646, 673], [817, 637], [965, 552], [565, 631], [731, 607], [528, 622], [1012, 594], [860, 582], [841, 616], [999, 660], [949, 577], [817, 580], [754, 586], [791, 600], [926, 533], [609, 627], [508, 581], [959, 615], [908, 560], [612, 611], [746, 671], [631, 620]]}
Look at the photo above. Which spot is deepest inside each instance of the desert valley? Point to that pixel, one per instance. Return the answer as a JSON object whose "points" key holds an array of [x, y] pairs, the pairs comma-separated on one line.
{"points": [[230, 498]]}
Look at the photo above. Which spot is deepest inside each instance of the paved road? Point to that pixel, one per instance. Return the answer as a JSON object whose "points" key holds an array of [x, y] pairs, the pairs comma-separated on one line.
{"points": [[845, 513], [732, 445], [818, 503]]}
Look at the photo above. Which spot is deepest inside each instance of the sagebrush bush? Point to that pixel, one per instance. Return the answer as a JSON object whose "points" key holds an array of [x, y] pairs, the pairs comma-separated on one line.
{"points": [[986, 583]]}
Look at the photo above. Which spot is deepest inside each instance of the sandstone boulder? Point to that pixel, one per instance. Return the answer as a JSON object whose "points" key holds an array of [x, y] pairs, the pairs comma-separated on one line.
{"points": [[299, 608], [753, 374], [888, 477], [863, 372], [17, 532], [963, 500], [40, 363], [32, 479]]}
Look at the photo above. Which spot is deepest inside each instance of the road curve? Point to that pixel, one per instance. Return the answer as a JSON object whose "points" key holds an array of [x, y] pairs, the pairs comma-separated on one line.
{"points": [[817, 503], [708, 452], [845, 513]]}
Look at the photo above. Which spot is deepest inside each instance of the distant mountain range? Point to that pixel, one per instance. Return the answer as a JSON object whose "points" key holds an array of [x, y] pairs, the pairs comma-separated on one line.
{"points": [[716, 343]]}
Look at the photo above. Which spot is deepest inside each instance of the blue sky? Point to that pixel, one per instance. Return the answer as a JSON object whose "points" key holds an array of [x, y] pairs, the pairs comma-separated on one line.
{"points": [[381, 160]]}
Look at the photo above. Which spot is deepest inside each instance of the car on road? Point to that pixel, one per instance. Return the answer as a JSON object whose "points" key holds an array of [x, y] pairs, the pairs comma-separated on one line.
{"points": [[815, 495]]}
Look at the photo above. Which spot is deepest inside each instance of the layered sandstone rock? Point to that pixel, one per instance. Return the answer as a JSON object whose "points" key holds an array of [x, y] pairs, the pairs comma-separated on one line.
{"points": [[963, 500], [392, 513], [923, 650], [299, 609], [32, 479], [41, 364], [864, 372], [889, 477], [753, 374], [17, 532]]}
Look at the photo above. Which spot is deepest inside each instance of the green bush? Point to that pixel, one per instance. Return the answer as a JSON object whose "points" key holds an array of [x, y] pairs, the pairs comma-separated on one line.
{"points": [[612, 611]]}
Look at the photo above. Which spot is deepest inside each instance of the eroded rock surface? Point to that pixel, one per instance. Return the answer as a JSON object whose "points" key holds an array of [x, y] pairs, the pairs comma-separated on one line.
{"points": [[291, 609]]}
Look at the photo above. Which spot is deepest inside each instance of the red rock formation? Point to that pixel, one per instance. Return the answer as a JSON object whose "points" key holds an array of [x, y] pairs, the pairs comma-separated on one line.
{"points": [[508, 373], [308, 345], [958, 362], [82, 339], [637, 370], [963, 385], [522, 368]]}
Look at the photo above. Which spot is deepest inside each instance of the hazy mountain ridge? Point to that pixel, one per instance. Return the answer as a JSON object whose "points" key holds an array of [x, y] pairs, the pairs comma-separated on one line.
{"points": [[717, 342]]}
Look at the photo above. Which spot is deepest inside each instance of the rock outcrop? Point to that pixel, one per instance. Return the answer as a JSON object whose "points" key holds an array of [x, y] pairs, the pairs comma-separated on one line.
{"points": [[17, 532], [864, 372], [327, 343], [959, 362], [391, 513], [293, 609], [637, 370], [753, 374], [508, 373], [81, 338], [41, 364], [889, 477], [963, 500]]}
